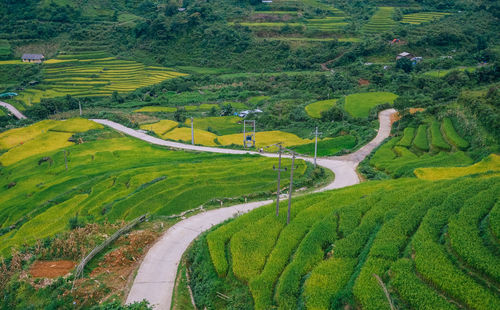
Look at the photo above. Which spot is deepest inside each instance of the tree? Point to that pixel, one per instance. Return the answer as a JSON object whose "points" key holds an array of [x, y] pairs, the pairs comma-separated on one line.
{"points": [[227, 109], [180, 115], [405, 64]]}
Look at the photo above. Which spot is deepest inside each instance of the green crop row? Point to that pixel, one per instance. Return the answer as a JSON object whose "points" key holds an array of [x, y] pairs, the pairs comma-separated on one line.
{"points": [[308, 254], [466, 238], [413, 290], [494, 220], [432, 261], [452, 135], [408, 135], [437, 140], [420, 140]]}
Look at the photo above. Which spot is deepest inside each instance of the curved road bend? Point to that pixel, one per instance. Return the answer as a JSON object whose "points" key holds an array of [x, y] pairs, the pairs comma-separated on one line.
{"points": [[12, 110], [156, 276]]}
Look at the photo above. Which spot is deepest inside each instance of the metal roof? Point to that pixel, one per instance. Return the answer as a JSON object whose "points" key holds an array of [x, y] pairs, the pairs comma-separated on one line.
{"points": [[33, 56]]}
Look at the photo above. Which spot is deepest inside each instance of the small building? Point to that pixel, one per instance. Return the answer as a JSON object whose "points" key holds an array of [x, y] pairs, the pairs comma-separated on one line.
{"points": [[404, 55], [244, 114], [36, 58], [267, 1], [415, 60]]}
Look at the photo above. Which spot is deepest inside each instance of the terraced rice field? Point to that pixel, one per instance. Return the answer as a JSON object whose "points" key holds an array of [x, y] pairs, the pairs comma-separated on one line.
{"points": [[115, 178], [92, 74], [314, 109], [419, 148], [327, 24], [339, 242], [359, 105], [422, 17], [381, 21], [333, 23]]}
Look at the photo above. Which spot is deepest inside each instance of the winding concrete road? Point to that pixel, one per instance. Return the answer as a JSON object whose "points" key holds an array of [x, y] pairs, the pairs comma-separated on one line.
{"points": [[12, 110], [156, 276]]}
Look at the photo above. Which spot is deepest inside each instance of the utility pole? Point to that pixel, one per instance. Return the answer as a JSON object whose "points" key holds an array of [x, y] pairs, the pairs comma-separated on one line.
{"points": [[192, 132], [279, 179], [316, 133], [80, 107], [290, 189]]}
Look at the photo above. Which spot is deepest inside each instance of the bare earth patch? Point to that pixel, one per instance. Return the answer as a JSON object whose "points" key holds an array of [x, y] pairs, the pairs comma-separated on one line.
{"points": [[51, 269]]}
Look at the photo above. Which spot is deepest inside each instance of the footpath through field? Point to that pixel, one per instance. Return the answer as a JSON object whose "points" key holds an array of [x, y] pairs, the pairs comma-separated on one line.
{"points": [[12, 110], [156, 276]]}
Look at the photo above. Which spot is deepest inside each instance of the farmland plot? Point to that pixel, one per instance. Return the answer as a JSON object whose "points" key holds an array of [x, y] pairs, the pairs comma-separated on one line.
{"points": [[341, 238]]}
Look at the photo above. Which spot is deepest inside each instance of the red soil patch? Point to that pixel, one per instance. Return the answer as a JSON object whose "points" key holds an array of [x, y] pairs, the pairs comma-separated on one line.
{"points": [[363, 82], [415, 110], [51, 269], [396, 116]]}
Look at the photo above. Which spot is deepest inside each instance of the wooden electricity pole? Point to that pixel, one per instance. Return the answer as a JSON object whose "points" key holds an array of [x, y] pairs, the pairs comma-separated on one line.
{"points": [[316, 133]]}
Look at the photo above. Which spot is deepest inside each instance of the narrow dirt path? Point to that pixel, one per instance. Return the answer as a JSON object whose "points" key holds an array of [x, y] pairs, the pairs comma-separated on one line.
{"points": [[13, 110], [155, 278]]}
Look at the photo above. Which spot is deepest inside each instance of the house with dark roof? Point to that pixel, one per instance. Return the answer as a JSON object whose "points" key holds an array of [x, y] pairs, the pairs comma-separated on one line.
{"points": [[36, 58]]}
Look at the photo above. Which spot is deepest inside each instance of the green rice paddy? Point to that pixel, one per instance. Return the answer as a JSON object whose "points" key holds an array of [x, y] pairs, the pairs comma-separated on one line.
{"points": [[359, 105], [327, 146], [314, 109]]}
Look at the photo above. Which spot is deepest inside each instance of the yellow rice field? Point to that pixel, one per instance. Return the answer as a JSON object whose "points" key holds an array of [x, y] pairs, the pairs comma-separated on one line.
{"points": [[160, 128], [489, 164], [184, 134], [44, 136]]}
